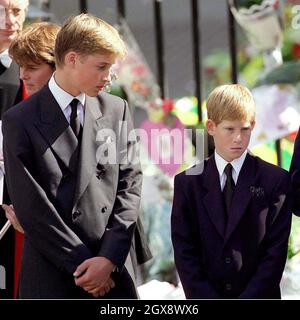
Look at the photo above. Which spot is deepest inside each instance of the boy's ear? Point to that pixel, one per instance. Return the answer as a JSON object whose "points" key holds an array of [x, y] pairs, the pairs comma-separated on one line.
{"points": [[210, 126], [70, 58], [253, 124]]}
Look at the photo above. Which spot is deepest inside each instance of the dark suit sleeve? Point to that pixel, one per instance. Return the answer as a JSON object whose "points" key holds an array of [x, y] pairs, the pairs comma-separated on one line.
{"points": [[295, 176], [274, 247], [187, 246], [117, 238], [43, 226]]}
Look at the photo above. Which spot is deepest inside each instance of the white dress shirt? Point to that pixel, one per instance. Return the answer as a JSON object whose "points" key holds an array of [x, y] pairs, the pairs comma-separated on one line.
{"points": [[236, 167], [5, 58], [64, 99]]}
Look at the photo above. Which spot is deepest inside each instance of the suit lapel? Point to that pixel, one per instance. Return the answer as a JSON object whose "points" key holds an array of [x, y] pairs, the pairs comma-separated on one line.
{"points": [[2, 68], [242, 194], [213, 200], [56, 130], [87, 163]]}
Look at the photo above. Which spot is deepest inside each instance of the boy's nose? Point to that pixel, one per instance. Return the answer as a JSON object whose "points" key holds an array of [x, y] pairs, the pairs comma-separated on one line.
{"points": [[106, 76], [238, 137]]}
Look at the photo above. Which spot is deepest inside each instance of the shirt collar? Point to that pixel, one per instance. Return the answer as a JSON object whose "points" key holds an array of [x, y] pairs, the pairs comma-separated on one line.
{"points": [[236, 163], [5, 58], [62, 97]]}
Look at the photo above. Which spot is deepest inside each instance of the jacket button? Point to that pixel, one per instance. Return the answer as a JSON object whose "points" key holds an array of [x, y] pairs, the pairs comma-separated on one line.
{"points": [[228, 286], [76, 214], [228, 260], [103, 210]]}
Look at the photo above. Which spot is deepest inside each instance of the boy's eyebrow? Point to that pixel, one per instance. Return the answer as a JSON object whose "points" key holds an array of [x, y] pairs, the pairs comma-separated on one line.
{"points": [[229, 126], [31, 64]]}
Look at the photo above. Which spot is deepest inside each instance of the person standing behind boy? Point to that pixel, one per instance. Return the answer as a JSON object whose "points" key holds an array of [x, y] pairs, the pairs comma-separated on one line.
{"points": [[78, 207], [33, 51], [231, 214], [12, 17]]}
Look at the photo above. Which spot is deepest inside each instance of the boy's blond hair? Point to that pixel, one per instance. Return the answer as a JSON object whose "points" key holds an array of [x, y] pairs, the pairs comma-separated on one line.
{"points": [[35, 44], [230, 102], [86, 34]]}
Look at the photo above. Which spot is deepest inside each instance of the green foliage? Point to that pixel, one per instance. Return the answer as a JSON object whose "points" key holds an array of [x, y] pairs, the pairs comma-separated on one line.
{"points": [[250, 61], [294, 240], [287, 73], [247, 3], [251, 71], [216, 70]]}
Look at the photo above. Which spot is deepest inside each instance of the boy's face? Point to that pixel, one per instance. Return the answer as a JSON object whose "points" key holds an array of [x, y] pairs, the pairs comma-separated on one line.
{"points": [[35, 76], [231, 137], [90, 73]]}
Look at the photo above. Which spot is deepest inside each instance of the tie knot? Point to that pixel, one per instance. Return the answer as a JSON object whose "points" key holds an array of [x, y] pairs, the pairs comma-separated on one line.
{"points": [[228, 170], [74, 104]]}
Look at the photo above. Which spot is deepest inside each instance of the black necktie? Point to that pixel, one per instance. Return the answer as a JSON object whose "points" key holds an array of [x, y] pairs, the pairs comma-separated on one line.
{"points": [[229, 187], [74, 119]]}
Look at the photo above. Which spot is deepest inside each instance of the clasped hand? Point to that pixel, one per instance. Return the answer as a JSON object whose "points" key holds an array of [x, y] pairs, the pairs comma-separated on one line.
{"points": [[94, 276]]}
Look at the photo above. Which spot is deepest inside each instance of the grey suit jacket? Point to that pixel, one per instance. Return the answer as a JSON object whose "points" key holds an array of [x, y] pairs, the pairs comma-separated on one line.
{"points": [[71, 204]]}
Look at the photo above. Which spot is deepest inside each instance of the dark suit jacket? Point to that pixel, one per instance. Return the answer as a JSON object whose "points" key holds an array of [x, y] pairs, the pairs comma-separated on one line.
{"points": [[295, 176], [10, 94], [71, 205], [9, 86], [245, 257]]}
